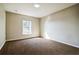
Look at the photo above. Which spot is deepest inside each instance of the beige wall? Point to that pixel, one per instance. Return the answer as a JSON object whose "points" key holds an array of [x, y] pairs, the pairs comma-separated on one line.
{"points": [[2, 26], [14, 26], [62, 26]]}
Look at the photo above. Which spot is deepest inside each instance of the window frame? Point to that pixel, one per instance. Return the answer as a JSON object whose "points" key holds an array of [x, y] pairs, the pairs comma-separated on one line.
{"points": [[28, 32]]}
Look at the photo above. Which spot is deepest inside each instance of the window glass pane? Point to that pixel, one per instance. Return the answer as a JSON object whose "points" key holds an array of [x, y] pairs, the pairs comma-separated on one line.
{"points": [[27, 27]]}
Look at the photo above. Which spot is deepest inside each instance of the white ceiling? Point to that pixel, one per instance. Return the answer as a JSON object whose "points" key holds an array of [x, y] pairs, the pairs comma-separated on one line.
{"points": [[28, 8]]}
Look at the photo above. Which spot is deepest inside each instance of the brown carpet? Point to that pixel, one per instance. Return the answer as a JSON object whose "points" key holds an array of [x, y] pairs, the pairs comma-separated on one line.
{"points": [[37, 46]]}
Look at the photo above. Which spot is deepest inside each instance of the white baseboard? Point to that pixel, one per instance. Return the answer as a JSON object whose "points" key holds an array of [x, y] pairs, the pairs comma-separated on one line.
{"points": [[13, 39], [2, 44], [50, 39], [64, 43], [21, 38], [68, 44]]}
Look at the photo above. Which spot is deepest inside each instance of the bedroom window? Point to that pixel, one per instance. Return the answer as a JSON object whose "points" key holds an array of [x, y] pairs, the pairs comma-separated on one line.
{"points": [[27, 27]]}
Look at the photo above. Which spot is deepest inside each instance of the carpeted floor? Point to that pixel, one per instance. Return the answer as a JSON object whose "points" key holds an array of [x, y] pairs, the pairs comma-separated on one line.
{"points": [[37, 46]]}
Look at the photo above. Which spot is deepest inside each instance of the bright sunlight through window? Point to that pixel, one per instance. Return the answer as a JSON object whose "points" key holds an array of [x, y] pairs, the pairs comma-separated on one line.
{"points": [[27, 27]]}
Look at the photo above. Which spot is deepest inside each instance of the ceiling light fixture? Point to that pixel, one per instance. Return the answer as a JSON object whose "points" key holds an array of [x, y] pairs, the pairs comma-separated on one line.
{"points": [[36, 5]]}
